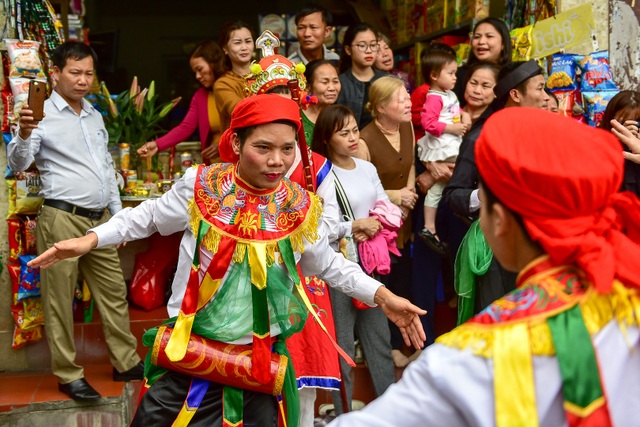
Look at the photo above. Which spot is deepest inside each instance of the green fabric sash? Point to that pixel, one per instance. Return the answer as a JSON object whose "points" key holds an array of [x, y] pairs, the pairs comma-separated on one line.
{"points": [[473, 259]]}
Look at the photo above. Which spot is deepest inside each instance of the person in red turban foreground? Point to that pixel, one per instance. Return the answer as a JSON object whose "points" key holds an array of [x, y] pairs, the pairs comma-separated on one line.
{"points": [[223, 359], [563, 348]]}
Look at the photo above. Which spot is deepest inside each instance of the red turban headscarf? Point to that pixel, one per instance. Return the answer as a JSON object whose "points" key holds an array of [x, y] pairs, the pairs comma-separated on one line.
{"points": [[563, 178], [253, 111]]}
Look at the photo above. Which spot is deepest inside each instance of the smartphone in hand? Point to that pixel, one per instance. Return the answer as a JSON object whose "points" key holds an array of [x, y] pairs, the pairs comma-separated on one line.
{"points": [[37, 93]]}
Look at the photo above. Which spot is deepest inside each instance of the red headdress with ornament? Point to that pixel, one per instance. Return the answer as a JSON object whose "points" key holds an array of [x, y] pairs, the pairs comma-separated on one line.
{"points": [[271, 71]]}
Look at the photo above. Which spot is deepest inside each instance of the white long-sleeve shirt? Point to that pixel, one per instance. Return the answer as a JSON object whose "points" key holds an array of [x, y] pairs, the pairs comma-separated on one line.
{"points": [[362, 187], [70, 151], [169, 214]]}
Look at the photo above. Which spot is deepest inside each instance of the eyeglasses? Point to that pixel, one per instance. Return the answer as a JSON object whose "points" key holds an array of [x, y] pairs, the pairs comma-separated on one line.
{"points": [[363, 47]]}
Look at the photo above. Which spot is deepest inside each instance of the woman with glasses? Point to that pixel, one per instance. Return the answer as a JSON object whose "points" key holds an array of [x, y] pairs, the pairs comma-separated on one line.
{"points": [[359, 53]]}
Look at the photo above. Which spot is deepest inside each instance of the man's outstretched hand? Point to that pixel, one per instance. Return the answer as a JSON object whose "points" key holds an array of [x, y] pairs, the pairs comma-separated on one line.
{"points": [[65, 249], [404, 314]]}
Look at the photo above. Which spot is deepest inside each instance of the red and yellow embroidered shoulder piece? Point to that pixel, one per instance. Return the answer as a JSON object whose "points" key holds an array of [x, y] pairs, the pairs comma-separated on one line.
{"points": [[235, 209]]}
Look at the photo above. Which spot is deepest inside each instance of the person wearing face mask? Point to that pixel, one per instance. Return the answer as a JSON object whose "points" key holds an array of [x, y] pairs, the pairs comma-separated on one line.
{"points": [[357, 73], [207, 63], [386, 62], [490, 42], [313, 25], [236, 39]]}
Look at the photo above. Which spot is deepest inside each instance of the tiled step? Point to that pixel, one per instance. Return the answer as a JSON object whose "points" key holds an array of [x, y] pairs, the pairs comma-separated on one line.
{"points": [[32, 399]]}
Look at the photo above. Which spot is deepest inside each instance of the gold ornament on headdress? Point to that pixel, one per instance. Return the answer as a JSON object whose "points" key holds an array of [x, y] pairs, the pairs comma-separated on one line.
{"points": [[273, 69]]}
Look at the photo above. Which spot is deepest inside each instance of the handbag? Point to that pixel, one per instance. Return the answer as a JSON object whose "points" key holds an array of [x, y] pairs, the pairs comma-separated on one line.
{"points": [[347, 244]]}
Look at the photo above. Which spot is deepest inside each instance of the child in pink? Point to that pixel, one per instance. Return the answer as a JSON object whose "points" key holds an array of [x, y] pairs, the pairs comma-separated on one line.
{"points": [[445, 124]]}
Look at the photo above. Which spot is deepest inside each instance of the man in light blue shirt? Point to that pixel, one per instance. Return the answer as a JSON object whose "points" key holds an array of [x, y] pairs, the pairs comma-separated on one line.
{"points": [[69, 147]]}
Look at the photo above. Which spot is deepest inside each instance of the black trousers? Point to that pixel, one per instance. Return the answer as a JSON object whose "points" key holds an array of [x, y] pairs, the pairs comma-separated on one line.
{"points": [[161, 404], [399, 282]]}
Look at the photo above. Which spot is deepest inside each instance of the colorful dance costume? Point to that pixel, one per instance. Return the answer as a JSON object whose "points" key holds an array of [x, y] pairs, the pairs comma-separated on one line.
{"points": [[563, 348]]}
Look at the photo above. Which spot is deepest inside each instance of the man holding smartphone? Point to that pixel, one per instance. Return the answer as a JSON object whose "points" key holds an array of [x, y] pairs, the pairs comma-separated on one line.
{"points": [[69, 147]]}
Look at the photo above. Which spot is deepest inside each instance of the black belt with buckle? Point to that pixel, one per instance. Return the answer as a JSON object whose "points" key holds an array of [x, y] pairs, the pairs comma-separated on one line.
{"points": [[95, 215]]}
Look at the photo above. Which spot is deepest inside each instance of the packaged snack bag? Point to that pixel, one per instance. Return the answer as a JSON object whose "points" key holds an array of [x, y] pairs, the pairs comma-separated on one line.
{"points": [[521, 43], [594, 104], [15, 239], [28, 314], [22, 337], [25, 58], [14, 276], [563, 73], [596, 73], [29, 233], [29, 279], [11, 198], [7, 105], [28, 199], [33, 313], [462, 52], [20, 90], [17, 311]]}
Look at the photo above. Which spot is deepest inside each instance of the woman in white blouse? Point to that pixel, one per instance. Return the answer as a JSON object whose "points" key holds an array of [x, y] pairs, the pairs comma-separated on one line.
{"points": [[336, 136]]}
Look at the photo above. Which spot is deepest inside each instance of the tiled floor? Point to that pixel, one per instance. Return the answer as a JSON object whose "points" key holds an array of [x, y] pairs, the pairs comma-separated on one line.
{"points": [[21, 389]]}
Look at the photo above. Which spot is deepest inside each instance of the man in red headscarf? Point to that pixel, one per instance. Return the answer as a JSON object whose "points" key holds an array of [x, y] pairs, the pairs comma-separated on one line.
{"points": [[563, 348], [247, 229]]}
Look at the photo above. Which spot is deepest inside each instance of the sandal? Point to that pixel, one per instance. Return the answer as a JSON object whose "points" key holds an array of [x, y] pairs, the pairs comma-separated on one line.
{"points": [[431, 240]]}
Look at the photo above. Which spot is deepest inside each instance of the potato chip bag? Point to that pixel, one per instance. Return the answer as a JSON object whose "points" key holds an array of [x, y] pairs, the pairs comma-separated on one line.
{"points": [[20, 90], [462, 52], [22, 337], [595, 103], [16, 248], [521, 43], [28, 199], [14, 276], [33, 313], [11, 198], [29, 279], [29, 235], [7, 105], [596, 73], [563, 73], [17, 311], [570, 104], [25, 58]]}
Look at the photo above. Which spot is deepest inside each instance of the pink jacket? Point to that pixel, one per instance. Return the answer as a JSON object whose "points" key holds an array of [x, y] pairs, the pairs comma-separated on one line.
{"points": [[197, 117], [374, 253]]}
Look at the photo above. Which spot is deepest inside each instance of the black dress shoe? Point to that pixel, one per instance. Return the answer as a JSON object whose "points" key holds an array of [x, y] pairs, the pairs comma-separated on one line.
{"points": [[79, 390], [135, 373]]}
